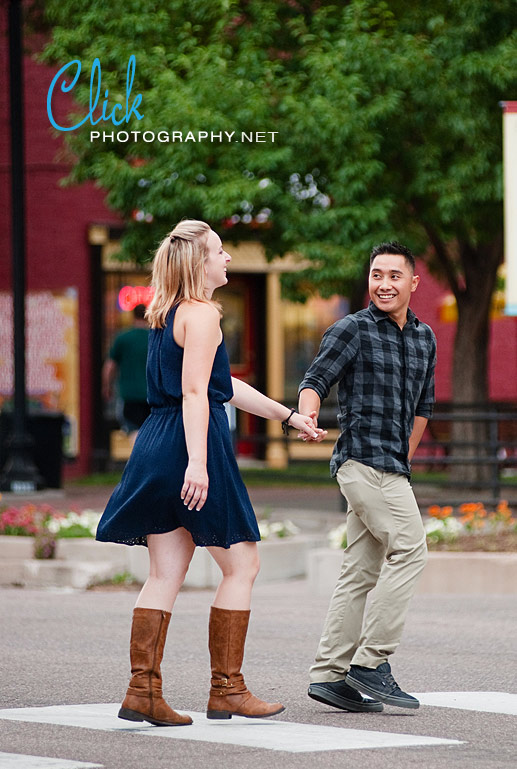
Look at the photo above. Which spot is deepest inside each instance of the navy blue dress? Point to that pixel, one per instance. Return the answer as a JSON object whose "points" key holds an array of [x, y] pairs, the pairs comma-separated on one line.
{"points": [[147, 499]]}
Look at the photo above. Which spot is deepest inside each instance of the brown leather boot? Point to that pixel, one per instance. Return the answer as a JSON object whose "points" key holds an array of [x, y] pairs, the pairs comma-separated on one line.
{"points": [[228, 694], [144, 700]]}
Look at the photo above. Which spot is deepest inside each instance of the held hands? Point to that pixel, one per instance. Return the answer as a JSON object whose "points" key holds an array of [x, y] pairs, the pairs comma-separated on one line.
{"points": [[195, 486], [307, 425], [317, 434]]}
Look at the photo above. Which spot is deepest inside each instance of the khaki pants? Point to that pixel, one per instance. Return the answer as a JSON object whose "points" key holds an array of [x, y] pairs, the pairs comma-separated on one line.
{"points": [[386, 551]]}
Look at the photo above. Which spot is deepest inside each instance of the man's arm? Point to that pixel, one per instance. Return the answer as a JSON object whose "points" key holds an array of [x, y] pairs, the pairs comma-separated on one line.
{"points": [[424, 409], [309, 404], [338, 349], [109, 373], [416, 435]]}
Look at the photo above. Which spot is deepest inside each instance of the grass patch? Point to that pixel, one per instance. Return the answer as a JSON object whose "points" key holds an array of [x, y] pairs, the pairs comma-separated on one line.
{"points": [[97, 479], [420, 476], [308, 473], [305, 473], [122, 580], [295, 474], [494, 542]]}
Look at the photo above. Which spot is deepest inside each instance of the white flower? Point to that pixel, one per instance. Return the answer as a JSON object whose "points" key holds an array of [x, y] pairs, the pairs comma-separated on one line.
{"points": [[337, 536], [291, 528], [280, 529], [54, 525], [446, 526], [445, 530], [88, 520]]}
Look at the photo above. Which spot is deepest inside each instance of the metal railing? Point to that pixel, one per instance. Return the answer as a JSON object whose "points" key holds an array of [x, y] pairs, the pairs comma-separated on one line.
{"points": [[497, 452], [439, 451]]}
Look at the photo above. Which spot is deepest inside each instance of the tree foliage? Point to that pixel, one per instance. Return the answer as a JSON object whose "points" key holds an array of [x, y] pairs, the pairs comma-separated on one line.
{"points": [[387, 121]]}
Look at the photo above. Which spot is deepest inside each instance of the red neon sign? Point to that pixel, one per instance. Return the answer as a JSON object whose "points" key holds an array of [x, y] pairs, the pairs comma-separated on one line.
{"points": [[130, 296]]}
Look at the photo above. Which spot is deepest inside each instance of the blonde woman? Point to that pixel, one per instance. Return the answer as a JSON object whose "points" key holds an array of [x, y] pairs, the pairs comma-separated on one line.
{"points": [[181, 487]]}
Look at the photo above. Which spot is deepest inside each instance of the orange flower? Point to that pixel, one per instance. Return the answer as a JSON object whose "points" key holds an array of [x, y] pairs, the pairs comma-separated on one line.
{"points": [[434, 511], [503, 509], [469, 507]]}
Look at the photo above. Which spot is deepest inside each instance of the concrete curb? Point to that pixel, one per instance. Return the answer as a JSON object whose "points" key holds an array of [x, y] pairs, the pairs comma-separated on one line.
{"points": [[445, 572], [83, 562]]}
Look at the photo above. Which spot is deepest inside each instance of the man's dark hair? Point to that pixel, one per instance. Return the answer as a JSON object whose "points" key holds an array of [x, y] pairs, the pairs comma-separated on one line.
{"points": [[139, 312], [393, 248]]}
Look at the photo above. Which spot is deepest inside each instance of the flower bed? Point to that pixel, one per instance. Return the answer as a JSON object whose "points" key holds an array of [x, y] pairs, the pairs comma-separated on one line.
{"points": [[46, 526], [471, 528], [480, 552], [40, 546]]}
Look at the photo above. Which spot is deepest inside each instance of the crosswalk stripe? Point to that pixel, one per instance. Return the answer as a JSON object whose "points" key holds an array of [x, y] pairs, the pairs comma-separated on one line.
{"points": [[22, 761], [483, 702], [253, 733]]}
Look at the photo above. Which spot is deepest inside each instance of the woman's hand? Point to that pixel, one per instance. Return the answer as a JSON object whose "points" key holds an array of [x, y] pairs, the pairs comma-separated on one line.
{"points": [[195, 486], [305, 436], [307, 428]]}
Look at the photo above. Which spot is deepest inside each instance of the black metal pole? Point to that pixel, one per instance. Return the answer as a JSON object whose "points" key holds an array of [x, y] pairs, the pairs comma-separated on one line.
{"points": [[19, 472]]}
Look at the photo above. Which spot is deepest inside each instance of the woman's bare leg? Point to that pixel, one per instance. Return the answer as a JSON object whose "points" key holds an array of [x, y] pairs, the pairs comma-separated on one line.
{"points": [[240, 565], [169, 555]]}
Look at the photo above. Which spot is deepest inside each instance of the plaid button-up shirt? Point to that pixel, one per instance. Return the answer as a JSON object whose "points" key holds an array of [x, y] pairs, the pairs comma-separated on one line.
{"points": [[386, 378]]}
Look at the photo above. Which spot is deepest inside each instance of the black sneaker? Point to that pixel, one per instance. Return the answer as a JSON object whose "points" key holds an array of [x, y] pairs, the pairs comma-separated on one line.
{"points": [[379, 683], [340, 695]]}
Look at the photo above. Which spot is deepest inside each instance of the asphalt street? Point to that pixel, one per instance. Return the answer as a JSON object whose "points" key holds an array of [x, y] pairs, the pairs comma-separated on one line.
{"points": [[70, 648]]}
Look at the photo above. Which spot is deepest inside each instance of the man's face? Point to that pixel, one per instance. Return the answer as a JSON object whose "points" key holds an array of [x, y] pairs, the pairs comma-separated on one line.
{"points": [[391, 283]]}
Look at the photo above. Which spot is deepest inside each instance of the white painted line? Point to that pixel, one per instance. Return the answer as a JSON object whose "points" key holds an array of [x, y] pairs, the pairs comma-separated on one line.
{"points": [[252, 733], [20, 761], [484, 702]]}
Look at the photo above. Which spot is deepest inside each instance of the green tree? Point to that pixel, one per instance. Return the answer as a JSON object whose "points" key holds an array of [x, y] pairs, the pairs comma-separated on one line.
{"points": [[387, 121]]}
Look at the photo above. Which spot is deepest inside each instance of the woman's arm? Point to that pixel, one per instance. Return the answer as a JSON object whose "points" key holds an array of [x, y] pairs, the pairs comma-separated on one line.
{"points": [[199, 329], [248, 399]]}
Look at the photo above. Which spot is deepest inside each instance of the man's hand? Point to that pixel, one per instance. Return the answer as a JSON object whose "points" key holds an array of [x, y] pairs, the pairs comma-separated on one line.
{"points": [[321, 434]]}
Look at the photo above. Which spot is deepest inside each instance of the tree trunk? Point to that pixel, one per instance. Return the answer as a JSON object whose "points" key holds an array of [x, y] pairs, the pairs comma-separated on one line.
{"points": [[470, 362], [357, 292]]}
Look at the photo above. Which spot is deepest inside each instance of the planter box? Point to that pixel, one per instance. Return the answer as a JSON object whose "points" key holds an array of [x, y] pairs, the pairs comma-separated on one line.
{"points": [[280, 559], [60, 573], [72, 549], [444, 572], [89, 550], [470, 573], [81, 561], [16, 547]]}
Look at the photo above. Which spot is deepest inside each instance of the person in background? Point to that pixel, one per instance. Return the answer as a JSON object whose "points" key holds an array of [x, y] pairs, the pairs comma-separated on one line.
{"points": [[127, 361], [182, 488], [383, 358]]}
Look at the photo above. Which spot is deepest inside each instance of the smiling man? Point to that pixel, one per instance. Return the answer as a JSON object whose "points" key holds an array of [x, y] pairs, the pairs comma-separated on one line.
{"points": [[383, 359]]}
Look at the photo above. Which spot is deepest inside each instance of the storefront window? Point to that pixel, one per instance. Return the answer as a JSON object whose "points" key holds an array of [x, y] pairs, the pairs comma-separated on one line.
{"points": [[117, 319], [304, 326]]}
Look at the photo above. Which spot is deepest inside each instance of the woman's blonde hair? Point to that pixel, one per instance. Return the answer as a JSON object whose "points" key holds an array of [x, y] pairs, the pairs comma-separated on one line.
{"points": [[178, 273]]}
